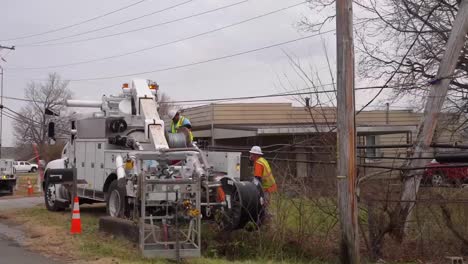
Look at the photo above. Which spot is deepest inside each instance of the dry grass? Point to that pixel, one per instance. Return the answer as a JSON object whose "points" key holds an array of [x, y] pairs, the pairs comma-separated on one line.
{"points": [[300, 232], [49, 234], [22, 184], [21, 189]]}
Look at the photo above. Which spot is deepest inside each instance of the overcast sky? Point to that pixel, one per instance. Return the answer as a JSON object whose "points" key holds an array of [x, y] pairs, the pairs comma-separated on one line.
{"points": [[251, 74]]}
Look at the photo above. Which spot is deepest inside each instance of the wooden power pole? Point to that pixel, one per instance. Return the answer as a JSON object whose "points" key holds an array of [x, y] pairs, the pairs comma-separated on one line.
{"points": [[432, 109], [346, 131]]}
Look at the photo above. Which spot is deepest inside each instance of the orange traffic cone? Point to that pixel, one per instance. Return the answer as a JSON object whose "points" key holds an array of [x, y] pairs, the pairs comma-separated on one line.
{"points": [[30, 188], [76, 220]]}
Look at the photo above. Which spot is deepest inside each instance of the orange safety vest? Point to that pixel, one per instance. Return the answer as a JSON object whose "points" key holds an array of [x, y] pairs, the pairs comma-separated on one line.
{"points": [[268, 181], [175, 127]]}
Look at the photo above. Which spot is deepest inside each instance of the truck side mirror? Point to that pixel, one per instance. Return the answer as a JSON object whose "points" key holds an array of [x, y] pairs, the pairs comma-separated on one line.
{"points": [[51, 130]]}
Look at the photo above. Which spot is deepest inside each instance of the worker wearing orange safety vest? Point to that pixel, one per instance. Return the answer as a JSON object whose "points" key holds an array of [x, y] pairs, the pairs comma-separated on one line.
{"points": [[179, 121], [262, 172]]}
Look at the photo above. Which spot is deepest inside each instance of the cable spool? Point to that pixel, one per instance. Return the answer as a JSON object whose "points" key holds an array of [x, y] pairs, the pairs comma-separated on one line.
{"points": [[118, 126], [177, 140]]}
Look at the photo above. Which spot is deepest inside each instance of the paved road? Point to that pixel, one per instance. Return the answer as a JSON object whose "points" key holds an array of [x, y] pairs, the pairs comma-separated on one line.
{"points": [[12, 252], [26, 202], [11, 238]]}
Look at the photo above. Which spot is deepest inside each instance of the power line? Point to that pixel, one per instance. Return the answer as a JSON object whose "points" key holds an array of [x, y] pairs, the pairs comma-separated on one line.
{"points": [[17, 99], [12, 117], [76, 24], [205, 100], [170, 42], [102, 28], [142, 28], [22, 118], [203, 61], [281, 94], [284, 94], [147, 27]]}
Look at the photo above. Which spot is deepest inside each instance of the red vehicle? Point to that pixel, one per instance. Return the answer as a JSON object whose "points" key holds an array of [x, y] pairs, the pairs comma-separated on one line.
{"points": [[448, 169]]}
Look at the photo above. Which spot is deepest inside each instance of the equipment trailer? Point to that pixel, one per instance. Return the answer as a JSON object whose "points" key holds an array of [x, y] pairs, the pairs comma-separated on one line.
{"points": [[122, 155]]}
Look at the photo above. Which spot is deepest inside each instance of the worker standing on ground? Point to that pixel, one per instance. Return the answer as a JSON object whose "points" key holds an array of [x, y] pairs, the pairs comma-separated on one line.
{"points": [[178, 121], [262, 172]]}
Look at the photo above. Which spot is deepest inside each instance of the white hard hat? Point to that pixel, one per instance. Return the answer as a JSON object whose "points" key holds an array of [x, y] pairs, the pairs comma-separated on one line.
{"points": [[172, 113], [256, 150]]}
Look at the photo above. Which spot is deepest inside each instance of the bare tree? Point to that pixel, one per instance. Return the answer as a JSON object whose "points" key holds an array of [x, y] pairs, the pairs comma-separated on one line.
{"points": [[391, 45], [165, 105], [401, 43], [32, 121]]}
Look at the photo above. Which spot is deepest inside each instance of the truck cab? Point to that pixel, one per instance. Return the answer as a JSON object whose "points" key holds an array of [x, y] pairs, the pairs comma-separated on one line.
{"points": [[7, 176]]}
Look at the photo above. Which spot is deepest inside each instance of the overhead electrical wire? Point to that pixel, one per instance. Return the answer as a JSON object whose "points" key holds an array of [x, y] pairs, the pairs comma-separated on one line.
{"points": [[165, 43], [21, 118], [283, 94], [17, 99], [12, 117], [75, 24], [44, 42], [203, 61], [189, 64], [38, 44]]}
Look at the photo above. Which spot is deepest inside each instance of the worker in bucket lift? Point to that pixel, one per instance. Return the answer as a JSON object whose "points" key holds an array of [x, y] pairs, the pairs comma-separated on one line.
{"points": [[179, 121], [262, 173]]}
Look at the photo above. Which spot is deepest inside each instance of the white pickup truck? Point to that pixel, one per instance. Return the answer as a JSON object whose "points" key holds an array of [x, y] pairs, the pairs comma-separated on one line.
{"points": [[24, 166]]}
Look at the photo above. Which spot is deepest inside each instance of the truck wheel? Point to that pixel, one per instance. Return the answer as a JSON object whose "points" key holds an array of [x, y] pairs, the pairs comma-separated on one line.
{"points": [[115, 202], [51, 193], [33, 169]]}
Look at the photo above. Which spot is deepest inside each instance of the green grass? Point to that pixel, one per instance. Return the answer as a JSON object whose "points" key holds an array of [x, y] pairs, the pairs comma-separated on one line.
{"points": [[92, 245], [302, 231]]}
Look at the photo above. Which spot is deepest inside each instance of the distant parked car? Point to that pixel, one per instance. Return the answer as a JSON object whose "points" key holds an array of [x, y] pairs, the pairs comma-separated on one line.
{"points": [[447, 169], [24, 166]]}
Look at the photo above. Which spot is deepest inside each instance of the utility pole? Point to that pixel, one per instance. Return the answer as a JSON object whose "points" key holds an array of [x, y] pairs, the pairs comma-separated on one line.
{"points": [[432, 110], [346, 134], [1, 100]]}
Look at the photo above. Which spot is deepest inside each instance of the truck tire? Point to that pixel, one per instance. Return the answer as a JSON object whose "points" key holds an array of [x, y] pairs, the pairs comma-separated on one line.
{"points": [[50, 194], [115, 199], [33, 169]]}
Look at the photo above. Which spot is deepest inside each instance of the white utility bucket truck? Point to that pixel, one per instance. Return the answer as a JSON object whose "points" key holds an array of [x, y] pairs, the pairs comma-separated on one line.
{"points": [[124, 156]]}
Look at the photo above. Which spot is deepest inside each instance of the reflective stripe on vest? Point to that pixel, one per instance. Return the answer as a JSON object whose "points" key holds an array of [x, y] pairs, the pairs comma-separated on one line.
{"points": [[268, 181], [179, 124]]}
